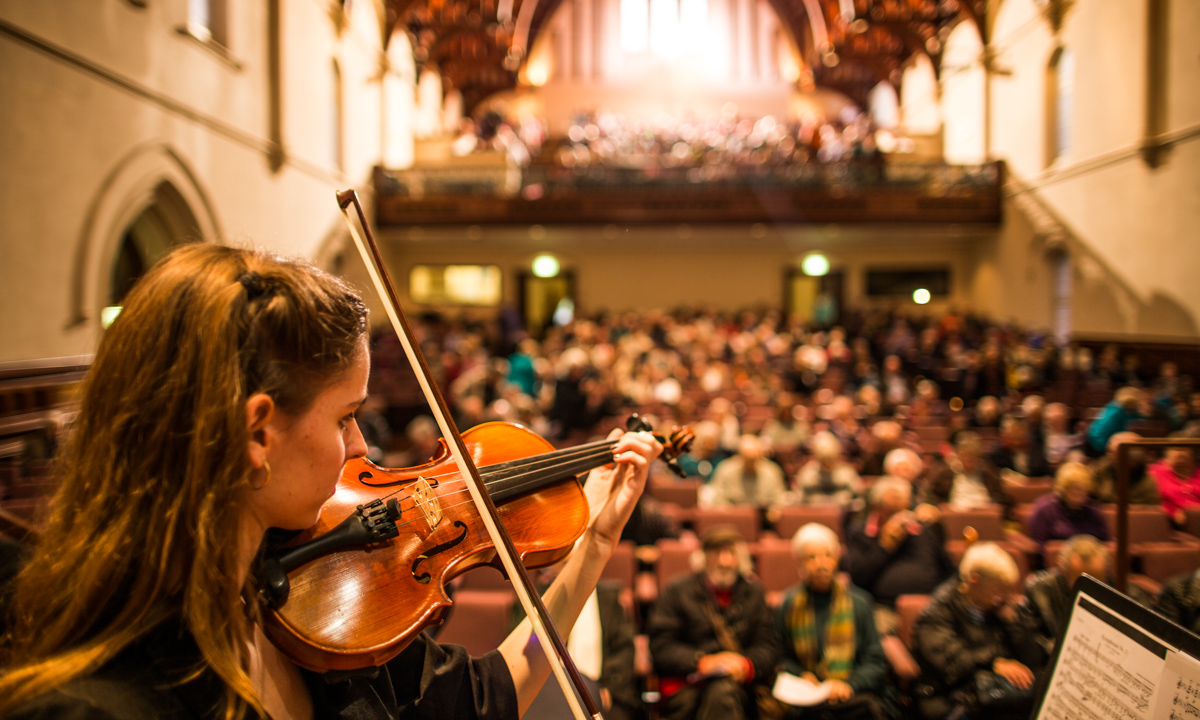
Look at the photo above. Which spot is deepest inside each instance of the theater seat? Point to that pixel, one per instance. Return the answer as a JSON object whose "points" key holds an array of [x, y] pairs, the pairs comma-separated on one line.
{"points": [[744, 518], [1161, 564], [909, 608], [777, 568], [989, 526], [479, 620], [793, 517]]}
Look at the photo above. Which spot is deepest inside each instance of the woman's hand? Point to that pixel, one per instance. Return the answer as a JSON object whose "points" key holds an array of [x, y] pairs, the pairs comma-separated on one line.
{"points": [[613, 491]]}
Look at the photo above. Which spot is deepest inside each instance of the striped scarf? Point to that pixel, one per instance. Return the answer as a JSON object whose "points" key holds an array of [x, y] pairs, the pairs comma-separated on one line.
{"points": [[840, 640]]}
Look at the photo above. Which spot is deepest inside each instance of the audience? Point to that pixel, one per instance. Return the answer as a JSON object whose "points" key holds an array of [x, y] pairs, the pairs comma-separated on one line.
{"points": [[828, 634], [1116, 417], [1069, 510], [827, 478], [1178, 480], [1048, 592], [970, 636], [893, 553], [712, 638], [1179, 600], [966, 480], [747, 478], [1058, 443], [1017, 452], [1143, 489]]}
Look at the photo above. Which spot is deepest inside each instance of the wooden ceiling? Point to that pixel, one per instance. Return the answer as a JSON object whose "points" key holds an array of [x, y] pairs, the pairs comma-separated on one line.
{"points": [[479, 53]]}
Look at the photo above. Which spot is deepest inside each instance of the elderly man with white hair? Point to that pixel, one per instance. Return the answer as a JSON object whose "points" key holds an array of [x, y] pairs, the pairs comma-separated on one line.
{"points": [[828, 634], [977, 654]]}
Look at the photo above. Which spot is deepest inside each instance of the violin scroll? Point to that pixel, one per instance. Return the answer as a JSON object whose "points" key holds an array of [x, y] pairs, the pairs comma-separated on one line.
{"points": [[677, 443]]}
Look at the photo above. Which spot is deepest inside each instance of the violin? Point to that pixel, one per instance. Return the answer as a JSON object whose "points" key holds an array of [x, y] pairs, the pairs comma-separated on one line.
{"points": [[328, 631], [372, 572]]}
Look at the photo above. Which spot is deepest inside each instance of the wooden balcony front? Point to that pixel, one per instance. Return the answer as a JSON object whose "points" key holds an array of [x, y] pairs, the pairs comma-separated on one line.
{"points": [[882, 192]]}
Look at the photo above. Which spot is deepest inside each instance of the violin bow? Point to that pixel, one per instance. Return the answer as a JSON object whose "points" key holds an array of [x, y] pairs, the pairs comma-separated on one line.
{"points": [[560, 660]]}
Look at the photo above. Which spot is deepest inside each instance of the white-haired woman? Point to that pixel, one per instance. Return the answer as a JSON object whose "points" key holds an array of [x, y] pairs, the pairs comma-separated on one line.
{"points": [[970, 636], [828, 631]]}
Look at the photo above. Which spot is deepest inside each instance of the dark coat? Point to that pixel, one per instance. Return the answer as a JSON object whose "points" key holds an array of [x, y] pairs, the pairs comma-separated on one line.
{"points": [[1180, 601], [426, 680], [951, 646], [916, 567], [681, 631]]}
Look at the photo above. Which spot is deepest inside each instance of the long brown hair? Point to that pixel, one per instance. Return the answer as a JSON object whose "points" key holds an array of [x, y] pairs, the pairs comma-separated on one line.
{"points": [[144, 526]]}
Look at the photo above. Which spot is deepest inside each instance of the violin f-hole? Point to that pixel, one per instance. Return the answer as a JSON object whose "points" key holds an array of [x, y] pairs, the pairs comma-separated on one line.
{"points": [[424, 577]]}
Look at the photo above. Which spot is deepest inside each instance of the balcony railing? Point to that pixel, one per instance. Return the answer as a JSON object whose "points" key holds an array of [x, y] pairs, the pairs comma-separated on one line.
{"points": [[859, 192]]}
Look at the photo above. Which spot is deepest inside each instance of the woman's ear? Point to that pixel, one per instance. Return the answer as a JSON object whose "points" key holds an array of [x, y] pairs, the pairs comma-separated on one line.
{"points": [[260, 410]]}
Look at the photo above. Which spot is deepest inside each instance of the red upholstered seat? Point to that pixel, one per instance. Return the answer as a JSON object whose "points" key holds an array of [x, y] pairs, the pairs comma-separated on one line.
{"points": [[793, 517], [479, 620], [743, 517]]}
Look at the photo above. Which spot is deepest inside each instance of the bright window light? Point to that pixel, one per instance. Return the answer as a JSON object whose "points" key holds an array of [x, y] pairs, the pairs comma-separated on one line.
{"points": [[815, 265], [635, 26], [664, 27], [545, 266], [455, 284], [108, 314]]}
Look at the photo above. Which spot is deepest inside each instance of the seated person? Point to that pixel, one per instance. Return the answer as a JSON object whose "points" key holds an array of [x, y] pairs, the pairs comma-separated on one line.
{"points": [[746, 478], [1116, 417], [1069, 510], [827, 478], [885, 437], [1179, 601], [704, 456], [1178, 480], [1048, 592], [971, 628], [892, 553], [1058, 443], [712, 637], [1017, 452], [967, 481], [828, 634], [1143, 490]]}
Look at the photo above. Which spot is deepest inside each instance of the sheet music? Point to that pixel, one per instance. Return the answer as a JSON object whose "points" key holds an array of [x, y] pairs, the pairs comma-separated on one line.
{"points": [[1179, 698], [1108, 669]]}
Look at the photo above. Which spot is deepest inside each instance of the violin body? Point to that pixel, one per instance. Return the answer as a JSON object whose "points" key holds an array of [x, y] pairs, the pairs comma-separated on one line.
{"points": [[361, 607]]}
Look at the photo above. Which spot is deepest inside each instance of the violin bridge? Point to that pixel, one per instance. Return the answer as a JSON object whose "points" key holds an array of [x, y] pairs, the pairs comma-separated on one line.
{"points": [[427, 502]]}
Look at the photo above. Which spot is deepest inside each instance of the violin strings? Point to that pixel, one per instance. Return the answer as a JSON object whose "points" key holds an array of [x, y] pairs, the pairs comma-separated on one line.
{"points": [[507, 489], [500, 491]]}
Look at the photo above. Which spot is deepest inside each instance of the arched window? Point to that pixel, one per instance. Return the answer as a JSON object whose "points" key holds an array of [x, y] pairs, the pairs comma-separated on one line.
{"points": [[1060, 104]]}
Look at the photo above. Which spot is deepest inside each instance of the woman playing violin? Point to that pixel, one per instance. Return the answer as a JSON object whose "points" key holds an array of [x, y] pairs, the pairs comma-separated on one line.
{"points": [[222, 403]]}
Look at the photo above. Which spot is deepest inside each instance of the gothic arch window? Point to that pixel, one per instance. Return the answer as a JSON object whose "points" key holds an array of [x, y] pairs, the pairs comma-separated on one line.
{"points": [[167, 221], [1060, 104]]}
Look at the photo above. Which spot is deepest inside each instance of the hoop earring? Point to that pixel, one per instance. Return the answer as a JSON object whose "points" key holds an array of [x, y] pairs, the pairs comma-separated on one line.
{"points": [[266, 465]]}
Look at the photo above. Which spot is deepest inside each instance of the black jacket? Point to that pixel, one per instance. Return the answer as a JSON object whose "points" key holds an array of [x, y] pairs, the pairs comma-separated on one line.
{"points": [[681, 630], [425, 680]]}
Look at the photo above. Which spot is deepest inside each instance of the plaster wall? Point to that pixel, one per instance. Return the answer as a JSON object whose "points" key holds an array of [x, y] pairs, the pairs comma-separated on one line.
{"points": [[104, 100], [1129, 229], [666, 267]]}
